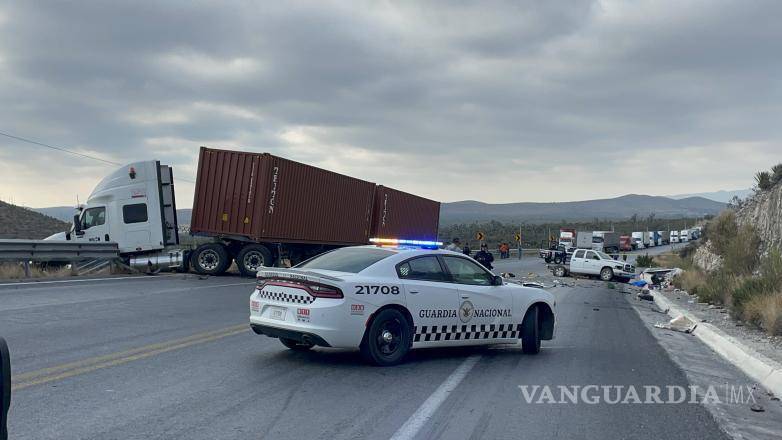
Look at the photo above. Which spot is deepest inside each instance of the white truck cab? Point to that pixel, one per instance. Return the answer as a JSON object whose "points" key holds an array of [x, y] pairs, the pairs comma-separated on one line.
{"points": [[134, 207], [674, 236], [684, 235]]}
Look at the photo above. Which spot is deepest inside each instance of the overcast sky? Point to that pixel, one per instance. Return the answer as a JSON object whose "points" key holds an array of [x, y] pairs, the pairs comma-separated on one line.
{"points": [[493, 101]]}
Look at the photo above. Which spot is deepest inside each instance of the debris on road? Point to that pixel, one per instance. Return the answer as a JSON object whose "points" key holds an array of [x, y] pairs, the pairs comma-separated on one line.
{"points": [[679, 324], [757, 408]]}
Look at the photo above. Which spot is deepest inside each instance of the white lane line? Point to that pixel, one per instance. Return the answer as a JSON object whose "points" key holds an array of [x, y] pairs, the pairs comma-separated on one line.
{"points": [[427, 409], [35, 283]]}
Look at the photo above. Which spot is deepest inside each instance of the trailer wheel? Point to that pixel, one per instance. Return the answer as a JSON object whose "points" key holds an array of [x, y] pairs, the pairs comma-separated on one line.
{"points": [[211, 259], [252, 257]]}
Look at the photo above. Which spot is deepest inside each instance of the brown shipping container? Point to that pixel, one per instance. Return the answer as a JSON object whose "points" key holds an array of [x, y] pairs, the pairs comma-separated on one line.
{"points": [[268, 198], [399, 214]]}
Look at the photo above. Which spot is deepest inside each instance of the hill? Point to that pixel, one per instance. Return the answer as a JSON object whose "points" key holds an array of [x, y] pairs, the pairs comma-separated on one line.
{"points": [[615, 208], [718, 196], [18, 222], [469, 211]]}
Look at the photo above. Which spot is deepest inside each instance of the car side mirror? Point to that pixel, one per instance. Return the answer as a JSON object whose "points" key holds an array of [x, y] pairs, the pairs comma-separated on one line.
{"points": [[5, 388], [496, 281]]}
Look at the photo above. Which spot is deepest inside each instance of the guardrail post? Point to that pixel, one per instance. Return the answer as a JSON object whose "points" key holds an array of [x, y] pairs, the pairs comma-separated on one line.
{"points": [[27, 269], [74, 268]]}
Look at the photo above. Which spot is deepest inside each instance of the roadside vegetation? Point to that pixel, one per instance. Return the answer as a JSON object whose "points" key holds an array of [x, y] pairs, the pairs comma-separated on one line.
{"points": [[748, 285], [11, 271]]}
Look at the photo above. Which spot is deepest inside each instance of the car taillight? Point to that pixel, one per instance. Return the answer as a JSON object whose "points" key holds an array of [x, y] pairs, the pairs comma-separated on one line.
{"points": [[323, 291]]}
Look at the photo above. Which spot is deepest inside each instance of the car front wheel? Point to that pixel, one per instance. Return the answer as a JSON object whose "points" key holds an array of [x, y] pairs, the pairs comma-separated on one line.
{"points": [[387, 340], [607, 274], [530, 332]]}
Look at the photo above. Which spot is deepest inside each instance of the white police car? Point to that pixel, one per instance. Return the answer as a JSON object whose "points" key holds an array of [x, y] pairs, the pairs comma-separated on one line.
{"points": [[387, 300]]}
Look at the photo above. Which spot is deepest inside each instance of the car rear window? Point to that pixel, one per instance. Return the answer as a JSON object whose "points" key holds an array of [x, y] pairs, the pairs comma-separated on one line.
{"points": [[352, 260]]}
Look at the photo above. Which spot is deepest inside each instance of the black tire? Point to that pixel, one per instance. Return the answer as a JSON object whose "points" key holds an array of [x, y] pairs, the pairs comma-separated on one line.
{"points": [[559, 271], [296, 345], [387, 340], [252, 257], [530, 332], [548, 259], [210, 259], [606, 274], [557, 260]]}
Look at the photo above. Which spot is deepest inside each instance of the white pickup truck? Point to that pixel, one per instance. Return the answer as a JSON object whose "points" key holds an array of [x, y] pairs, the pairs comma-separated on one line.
{"points": [[589, 262]]}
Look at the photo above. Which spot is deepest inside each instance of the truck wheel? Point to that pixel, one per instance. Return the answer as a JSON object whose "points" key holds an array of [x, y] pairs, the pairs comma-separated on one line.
{"points": [[252, 257], [557, 260], [606, 274], [530, 332], [210, 259], [548, 259], [387, 340], [559, 271]]}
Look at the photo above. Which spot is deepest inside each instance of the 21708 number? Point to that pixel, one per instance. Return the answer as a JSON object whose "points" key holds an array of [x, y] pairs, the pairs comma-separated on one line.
{"points": [[374, 290]]}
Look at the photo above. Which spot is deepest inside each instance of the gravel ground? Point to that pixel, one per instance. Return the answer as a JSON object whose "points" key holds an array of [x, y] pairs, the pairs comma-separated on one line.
{"points": [[769, 346]]}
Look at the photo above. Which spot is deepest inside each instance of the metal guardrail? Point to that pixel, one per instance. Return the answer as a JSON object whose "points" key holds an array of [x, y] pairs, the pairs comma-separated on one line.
{"points": [[50, 250]]}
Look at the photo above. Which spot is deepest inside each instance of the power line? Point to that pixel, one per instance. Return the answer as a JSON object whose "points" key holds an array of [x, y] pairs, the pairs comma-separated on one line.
{"points": [[65, 150], [58, 148]]}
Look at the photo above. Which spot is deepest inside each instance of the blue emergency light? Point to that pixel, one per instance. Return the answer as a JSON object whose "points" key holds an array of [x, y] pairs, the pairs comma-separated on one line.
{"points": [[404, 242]]}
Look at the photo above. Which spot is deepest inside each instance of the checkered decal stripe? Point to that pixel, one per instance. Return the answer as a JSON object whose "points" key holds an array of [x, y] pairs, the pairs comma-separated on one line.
{"points": [[465, 332], [286, 297]]}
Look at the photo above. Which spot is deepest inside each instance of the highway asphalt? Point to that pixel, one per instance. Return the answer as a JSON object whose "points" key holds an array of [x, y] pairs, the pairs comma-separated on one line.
{"points": [[172, 357]]}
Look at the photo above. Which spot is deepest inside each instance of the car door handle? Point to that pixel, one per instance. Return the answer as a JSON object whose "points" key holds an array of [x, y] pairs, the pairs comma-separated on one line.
{"points": [[465, 296], [413, 291]]}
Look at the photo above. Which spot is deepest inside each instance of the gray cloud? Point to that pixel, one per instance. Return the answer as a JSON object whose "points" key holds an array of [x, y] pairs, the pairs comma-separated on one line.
{"points": [[453, 100]]}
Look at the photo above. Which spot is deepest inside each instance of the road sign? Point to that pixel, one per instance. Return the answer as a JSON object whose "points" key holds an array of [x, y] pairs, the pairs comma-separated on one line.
{"points": [[479, 236], [518, 237]]}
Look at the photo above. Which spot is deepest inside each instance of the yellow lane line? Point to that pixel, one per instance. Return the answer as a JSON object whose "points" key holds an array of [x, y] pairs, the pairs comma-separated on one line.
{"points": [[63, 371]]}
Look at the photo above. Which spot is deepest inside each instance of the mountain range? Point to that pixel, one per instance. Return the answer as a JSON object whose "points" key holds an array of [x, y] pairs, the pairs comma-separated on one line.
{"points": [[469, 210], [718, 196]]}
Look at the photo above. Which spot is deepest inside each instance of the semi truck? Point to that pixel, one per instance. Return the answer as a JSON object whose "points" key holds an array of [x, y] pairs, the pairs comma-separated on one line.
{"points": [[605, 241], [638, 240], [567, 237], [255, 209]]}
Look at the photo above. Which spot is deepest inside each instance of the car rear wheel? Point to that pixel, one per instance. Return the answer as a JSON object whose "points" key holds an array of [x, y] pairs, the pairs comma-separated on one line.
{"points": [[296, 345], [557, 260], [548, 259], [606, 274], [530, 332], [251, 258], [559, 271], [387, 340]]}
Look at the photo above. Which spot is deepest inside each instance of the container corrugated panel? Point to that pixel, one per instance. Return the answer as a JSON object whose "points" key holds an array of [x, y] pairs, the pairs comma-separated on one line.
{"points": [[268, 198], [398, 214]]}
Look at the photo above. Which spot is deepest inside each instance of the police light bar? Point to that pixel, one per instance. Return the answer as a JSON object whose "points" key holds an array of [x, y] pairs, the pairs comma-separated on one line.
{"points": [[400, 241]]}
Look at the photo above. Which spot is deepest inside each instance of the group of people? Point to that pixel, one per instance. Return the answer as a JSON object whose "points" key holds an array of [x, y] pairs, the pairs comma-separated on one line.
{"points": [[483, 256]]}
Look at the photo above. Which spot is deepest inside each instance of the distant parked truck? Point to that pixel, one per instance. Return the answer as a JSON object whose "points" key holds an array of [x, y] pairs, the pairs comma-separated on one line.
{"points": [[638, 240], [684, 235], [625, 243], [665, 237], [653, 238], [674, 237], [605, 241], [584, 239], [567, 237]]}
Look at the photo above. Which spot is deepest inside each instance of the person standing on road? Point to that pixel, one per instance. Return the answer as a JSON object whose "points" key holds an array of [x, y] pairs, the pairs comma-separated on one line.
{"points": [[466, 249], [484, 257], [455, 245]]}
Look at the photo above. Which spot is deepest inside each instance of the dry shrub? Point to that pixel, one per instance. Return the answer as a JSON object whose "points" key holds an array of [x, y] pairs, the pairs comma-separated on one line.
{"points": [[16, 271], [765, 311], [690, 280], [673, 260]]}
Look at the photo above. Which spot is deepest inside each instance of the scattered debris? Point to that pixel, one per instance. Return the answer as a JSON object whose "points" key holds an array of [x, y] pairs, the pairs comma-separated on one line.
{"points": [[596, 309], [679, 324], [757, 408]]}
